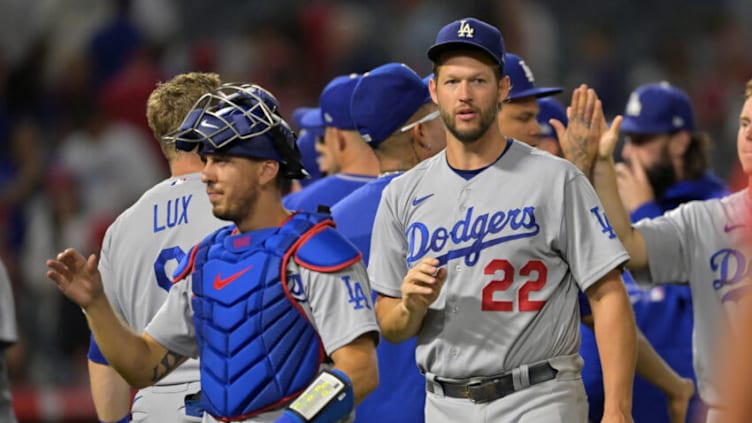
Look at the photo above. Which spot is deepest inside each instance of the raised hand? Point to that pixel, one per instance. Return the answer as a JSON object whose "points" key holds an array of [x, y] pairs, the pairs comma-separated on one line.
{"points": [[580, 139], [634, 186], [77, 277]]}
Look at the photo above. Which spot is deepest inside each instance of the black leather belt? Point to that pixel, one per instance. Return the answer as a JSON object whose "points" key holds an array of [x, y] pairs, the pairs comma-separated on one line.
{"points": [[494, 388]]}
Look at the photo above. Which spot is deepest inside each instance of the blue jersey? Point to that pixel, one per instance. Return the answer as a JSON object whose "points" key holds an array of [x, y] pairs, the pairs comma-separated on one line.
{"points": [[663, 314], [401, 394], [325, 192]]}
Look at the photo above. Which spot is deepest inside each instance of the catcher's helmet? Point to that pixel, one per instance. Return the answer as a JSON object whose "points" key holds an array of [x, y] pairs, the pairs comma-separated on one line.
{"points": [[241, 120]]}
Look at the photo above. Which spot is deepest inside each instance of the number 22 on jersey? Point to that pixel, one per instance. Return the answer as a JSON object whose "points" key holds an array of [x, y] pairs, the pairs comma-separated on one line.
{"points": [[535, 272]]}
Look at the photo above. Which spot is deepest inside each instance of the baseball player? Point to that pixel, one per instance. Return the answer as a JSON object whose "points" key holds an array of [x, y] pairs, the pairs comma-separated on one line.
{"points": [[352, 162], [308, 137], [392, 109], [698, 243], [661, 135], [518, 115], [277, 305], [8, 337], [141, 249], [480, 252]]}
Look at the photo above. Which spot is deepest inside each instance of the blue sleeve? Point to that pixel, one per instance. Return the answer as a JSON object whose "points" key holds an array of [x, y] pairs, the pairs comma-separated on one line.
{"points": [[647, 210], [584, 304], [95, 354]]}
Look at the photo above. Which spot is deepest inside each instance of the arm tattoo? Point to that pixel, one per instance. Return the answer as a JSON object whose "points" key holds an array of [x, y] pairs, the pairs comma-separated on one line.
{"points": [[166, 365]]}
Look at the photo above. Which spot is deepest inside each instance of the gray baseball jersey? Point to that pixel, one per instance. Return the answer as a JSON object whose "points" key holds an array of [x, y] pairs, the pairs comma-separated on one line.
{"points": [[699, 243], [8, 335], [518, 241], [139, 253], [338, 304]]}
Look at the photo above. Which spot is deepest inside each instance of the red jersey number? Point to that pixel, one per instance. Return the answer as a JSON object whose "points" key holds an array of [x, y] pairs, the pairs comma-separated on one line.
{"points": [[535, 270]]}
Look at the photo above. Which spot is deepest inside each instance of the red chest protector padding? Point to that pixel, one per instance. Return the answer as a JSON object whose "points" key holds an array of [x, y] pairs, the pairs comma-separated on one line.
{"points": [[258, 350]]}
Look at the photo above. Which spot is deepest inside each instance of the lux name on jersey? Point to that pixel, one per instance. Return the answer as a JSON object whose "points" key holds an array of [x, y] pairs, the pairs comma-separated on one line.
{"points": [[171, 214], [514, 223]]}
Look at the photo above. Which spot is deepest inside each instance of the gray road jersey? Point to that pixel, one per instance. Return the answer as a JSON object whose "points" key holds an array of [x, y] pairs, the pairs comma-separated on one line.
{"points": [[339, 305], [698, 243], [518, 240], [8, 330], [143, 246]]}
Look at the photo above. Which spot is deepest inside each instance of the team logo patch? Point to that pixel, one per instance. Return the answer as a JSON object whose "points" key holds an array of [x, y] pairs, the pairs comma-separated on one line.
{"points": [[465, 31]]}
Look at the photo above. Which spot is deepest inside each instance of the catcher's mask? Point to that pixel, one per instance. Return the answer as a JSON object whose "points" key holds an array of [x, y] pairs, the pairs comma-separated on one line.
{"points": [[241, 120]]}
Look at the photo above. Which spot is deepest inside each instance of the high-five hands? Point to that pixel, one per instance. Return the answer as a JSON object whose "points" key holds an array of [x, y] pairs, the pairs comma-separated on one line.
{"points": [[587, 137]]}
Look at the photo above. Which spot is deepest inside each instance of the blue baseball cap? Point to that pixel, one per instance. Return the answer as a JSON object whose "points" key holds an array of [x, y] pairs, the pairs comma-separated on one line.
{"points": [[469, 32], [551, 108], [334, 104], [523, 82], [309, 118], [658, 108], [384, 99], [309, 157]]}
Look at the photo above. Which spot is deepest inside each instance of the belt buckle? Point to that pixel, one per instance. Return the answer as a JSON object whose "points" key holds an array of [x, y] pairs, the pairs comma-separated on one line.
{"points": [[481, 392]]}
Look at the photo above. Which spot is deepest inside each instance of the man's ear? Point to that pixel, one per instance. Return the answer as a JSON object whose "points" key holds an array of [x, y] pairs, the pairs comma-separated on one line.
{"points": [[268, 171]]}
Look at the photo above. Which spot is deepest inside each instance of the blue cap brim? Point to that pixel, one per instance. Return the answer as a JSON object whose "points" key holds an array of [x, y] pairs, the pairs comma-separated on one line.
{"points": [[537, 92]]}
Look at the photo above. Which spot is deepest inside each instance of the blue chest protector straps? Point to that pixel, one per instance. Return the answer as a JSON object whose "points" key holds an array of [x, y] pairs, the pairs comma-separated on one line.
{"points": [[258, 350]]}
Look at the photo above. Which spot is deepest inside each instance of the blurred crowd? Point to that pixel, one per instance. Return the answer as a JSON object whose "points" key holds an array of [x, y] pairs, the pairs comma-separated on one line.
{"points": [[75, 76]]}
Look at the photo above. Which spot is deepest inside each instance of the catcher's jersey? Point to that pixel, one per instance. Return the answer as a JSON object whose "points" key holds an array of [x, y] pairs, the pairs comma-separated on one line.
{"points": [[338, 304], [518, 240], [145, 244], [699, 243]]}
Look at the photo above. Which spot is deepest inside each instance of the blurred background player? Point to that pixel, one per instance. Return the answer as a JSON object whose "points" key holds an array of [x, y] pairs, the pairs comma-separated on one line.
{"points": [[308, 137], [142, 248], [247, 149], [393, 111], [350, 161], [518, 114], [550, 108], [660, 137], [8, 337]]}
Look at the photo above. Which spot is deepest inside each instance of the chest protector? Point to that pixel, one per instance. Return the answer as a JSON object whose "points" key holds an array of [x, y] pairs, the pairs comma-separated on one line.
{"points": [[258, 349]]}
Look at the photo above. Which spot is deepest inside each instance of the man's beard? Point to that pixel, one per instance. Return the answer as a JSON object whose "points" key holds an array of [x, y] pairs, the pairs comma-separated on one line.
{"points": [[487, 118], [661, 175]]}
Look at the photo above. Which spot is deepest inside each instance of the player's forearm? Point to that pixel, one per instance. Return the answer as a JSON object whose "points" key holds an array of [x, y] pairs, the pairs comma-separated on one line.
{"points": [[110, 393], [358, 361], [128, 353], [396, 322], [653, 368], [604, 181], [615, 333]]}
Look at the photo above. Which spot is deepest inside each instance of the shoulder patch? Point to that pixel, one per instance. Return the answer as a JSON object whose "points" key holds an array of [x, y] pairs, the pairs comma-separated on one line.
{"points": [[326, 250]]}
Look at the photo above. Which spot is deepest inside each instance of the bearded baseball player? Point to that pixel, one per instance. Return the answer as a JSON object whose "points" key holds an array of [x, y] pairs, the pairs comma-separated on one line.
{"points": [[142, 248], [480, 252], [699, 243], [277, 305]]}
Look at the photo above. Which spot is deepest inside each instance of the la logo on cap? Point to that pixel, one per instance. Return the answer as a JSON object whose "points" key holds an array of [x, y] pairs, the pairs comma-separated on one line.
{"points": [[634, 106], [465, 31]]}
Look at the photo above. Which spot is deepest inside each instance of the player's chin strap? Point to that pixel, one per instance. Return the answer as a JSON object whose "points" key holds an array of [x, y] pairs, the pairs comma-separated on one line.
{"points": [[328, 399]]}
